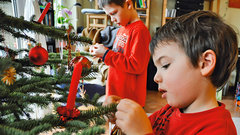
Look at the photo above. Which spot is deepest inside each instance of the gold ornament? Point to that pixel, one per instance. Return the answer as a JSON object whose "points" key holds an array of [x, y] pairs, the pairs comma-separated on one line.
{"points": [[9, 76]]}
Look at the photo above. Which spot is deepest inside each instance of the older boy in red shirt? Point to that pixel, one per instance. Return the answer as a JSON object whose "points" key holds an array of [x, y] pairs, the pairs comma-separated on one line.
{"points": [[129, 57]]}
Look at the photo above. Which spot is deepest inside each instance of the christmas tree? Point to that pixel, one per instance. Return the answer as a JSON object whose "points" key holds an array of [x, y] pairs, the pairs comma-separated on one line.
{"points": [[24, 82]]}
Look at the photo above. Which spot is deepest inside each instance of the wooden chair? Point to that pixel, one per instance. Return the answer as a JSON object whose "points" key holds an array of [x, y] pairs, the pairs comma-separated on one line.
{"points": [[97, 20]]}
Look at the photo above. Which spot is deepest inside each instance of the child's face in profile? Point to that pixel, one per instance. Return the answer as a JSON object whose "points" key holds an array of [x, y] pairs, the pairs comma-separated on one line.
{"points": [[176, 77], [118, 14]]}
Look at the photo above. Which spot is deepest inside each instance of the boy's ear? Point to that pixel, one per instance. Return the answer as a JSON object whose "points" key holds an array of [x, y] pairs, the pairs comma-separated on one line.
{"points": [[207, 62], [129, 4]]}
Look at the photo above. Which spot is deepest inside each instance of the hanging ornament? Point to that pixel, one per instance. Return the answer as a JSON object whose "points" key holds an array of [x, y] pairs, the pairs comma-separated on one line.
{"points": [[82, 92], [9, 76], [29, 44], [38, 55], [70, 27]]}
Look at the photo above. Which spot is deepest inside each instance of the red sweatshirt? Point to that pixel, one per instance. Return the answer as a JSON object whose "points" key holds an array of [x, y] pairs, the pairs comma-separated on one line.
{"points": [[128, 61], [170, 121]]}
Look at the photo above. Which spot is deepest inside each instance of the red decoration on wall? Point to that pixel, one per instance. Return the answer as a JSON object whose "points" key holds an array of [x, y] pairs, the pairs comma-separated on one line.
{"points": [[234, 3], [38, 55]]}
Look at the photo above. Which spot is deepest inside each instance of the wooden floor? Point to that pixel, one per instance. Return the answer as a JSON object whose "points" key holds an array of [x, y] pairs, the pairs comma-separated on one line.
{"points": [[154, 102]]}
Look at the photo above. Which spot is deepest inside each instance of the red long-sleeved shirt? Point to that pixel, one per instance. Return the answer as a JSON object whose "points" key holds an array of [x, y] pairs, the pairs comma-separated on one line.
{"points": [[128, 62], [170, 121]]}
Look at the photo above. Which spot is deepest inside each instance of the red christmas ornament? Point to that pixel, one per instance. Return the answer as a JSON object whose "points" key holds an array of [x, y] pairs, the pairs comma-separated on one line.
{"points": [[38, 55]]}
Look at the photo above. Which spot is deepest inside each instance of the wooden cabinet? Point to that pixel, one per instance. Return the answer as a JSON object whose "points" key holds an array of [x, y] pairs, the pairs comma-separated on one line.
{"points": [[144, 11], [164, 7]]}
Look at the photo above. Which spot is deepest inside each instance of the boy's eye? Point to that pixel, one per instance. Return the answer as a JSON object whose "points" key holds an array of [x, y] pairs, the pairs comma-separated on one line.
{"points": [[113, 13], [166, 66]]}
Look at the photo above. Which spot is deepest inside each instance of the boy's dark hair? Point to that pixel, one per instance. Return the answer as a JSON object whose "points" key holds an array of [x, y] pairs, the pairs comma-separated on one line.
{"points": [[103, 3], [197, 32]]}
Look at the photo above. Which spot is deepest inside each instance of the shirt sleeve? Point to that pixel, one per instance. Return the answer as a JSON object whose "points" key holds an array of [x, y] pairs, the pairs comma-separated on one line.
{"points": [[139, 57]]}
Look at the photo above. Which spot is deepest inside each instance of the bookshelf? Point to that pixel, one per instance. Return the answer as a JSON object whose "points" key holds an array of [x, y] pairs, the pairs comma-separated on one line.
{"points": [[143, 9], [165, 19]]}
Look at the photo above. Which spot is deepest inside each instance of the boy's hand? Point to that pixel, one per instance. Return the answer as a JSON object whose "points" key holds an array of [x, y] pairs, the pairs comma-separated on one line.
{"points": [[132, 119], [97, 50], [110, 100]]}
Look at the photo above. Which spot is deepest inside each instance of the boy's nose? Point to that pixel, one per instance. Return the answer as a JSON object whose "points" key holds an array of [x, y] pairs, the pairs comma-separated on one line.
{"points": [[157, 78]]}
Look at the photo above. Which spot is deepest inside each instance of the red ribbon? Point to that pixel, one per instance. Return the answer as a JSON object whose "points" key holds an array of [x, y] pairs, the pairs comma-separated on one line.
{"points": [[44, 12]]}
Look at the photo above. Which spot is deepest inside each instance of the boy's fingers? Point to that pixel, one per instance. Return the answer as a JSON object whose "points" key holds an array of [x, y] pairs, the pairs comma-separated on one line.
{"points": [[121, 115], [110, 119], [111, 99], [120, 124], [124, 105]]}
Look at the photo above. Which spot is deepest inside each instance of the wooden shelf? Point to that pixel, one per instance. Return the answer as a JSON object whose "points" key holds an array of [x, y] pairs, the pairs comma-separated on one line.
{"points": [[146, 17], [164, 7], [142, 16], [168, 18], [141, 9]]}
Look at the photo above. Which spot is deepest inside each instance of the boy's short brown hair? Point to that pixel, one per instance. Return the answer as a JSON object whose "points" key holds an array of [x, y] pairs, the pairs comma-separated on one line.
{"points": [[197, 32], [103, 3]]}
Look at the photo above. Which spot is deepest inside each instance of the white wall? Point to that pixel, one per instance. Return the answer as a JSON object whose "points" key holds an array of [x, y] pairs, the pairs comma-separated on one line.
{"points": [[79, 19], [9, 40], [231, 16]]}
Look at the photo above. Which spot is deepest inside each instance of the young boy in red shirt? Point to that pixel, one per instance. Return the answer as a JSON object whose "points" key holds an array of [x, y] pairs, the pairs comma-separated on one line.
{"points": [[128, 60], [194, 55]]}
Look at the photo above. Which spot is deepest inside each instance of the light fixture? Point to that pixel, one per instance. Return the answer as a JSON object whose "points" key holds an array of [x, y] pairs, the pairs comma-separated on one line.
{"points": [[77, 5]]}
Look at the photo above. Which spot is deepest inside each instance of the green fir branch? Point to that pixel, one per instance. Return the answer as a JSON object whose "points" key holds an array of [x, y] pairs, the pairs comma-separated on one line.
{"points": [[93, 131], [5, 130], [5, 107], [29, 87], [27, 125], [56, 61], [63, 133], [77, 124], [100, 111], [40, 128], [5, 64], [85, 101], [65, 54], [17, 34], [21, 24], [96, 97], [12, 53]]}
